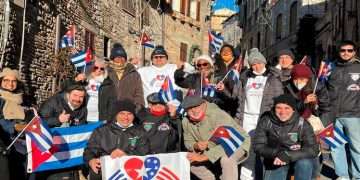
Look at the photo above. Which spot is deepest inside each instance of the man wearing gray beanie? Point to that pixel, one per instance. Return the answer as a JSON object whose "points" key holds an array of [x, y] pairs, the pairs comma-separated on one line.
{"points": [[255, 93], [256, 57]]}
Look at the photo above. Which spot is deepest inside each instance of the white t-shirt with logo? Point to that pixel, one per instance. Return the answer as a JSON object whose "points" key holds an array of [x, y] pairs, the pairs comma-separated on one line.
{"points": [[153, 77], [253, 97], [92, 90]]}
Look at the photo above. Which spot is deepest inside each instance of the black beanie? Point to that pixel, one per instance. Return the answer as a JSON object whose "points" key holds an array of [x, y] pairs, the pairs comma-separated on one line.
{"points": [[286, 52], [123, 105], [286, 99], [159, 50], [118, 51]]}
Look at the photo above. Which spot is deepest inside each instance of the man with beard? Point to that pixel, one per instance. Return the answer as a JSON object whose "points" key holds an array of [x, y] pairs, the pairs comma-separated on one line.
{"points": [[64, 109], [202, 120], [100, 90]]}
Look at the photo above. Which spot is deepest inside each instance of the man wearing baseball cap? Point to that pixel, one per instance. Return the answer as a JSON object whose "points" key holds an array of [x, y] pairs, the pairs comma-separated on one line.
{"points": [[153, 76]]}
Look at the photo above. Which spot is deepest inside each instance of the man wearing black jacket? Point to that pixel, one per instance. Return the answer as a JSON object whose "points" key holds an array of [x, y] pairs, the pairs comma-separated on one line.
{"points": [[284, 138], [65, 108], [344, 92], [161, 125], [117, 138]]}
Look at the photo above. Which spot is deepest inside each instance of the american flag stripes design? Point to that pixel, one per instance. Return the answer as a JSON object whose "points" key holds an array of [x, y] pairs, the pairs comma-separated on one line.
{"points": [[118, 175]]}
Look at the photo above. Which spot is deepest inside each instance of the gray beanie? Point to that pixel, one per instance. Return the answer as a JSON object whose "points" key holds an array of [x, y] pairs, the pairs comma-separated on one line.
{"points": [[256, 57]]}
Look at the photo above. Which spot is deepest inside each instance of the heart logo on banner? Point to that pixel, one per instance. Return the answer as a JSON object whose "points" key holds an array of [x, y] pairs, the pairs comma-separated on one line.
{"points": [[138, 169]]}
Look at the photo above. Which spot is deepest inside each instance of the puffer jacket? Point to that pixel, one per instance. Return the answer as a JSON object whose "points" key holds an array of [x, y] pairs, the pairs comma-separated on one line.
{"points": [[273, 88], [274, 138]]}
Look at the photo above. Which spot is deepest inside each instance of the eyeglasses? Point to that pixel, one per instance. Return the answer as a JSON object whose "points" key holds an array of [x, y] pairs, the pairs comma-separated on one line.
{"points": [[202, 65], [155, 57], [97, 67], [347, 50], [9, 81]]}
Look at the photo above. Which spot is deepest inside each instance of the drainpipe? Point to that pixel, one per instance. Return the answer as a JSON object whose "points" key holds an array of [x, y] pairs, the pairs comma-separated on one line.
{"points": [[22, 38]]}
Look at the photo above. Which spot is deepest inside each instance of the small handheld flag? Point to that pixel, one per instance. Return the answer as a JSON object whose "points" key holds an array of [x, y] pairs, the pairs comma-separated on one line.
{"points": [[82, 58], [333, 136], [146, 41], [68, 40], [228, 137], [215, 41], [326, 68], [40, 134]]}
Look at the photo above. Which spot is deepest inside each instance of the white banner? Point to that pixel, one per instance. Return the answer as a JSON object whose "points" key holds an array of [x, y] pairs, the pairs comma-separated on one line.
{"points": [[170, 166]]}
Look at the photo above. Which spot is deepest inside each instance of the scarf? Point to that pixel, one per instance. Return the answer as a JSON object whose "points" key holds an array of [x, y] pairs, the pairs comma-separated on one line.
{"points": [[12, 108], [118, 68]]}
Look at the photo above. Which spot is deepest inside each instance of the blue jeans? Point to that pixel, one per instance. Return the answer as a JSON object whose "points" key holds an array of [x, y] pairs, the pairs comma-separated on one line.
{"points": [[303, 171], [344, 159]]}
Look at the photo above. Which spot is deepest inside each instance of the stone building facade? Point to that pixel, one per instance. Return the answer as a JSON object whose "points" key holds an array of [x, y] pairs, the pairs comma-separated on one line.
{"points": [[231, 30], [272, 25], [99, 24], [341, 21]]}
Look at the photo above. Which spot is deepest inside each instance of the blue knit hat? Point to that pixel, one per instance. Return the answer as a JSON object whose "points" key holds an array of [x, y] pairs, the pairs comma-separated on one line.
{"points": [[118, 51]]}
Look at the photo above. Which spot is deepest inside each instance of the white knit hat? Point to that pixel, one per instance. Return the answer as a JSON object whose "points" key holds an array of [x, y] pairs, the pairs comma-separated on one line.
{"points": [[206, 58]]}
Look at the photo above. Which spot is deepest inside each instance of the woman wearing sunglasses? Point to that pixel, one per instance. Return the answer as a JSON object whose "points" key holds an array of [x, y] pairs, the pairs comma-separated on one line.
{"points": [[100, 90], [204, 70]]}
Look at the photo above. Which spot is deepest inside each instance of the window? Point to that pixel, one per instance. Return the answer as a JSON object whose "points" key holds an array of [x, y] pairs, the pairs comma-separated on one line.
{"points": [[195, 9], [293, 17], [89, 40], [183, 52], [129, 6], [106, 46], [278, 27], [175, 4]]}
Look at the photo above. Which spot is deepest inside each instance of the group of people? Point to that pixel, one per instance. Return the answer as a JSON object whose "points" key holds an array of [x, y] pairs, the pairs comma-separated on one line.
{"points": [[277, 111]]}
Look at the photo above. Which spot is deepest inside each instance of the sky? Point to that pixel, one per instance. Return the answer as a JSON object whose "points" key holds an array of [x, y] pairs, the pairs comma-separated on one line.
{"points": [[230, 4]]}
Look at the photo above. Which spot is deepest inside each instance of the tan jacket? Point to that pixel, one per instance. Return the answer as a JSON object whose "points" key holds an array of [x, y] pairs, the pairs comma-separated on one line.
{"points": [[202, 131]]}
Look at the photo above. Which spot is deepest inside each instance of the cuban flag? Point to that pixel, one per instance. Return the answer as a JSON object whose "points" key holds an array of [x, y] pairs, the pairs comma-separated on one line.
{"points": [[209, 91], [215, 41], [68, 40], [234, 73], [229, 138], [66, 150], [167, 92], [146, 41], [82, 58], [39, 133], [333, 136], [325, 70], [169, 166]]}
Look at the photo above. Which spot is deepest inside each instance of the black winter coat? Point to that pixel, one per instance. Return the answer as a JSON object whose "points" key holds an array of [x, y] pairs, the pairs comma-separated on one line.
{"points": [[162, 132], [111, 136], [54, 106], [274, 138], [344, 89]]}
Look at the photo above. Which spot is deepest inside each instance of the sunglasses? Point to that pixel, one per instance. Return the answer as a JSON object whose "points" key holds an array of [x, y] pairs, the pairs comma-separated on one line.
{"points": [[202, 65], [347, 50], [155, 57], [96, 68]]}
